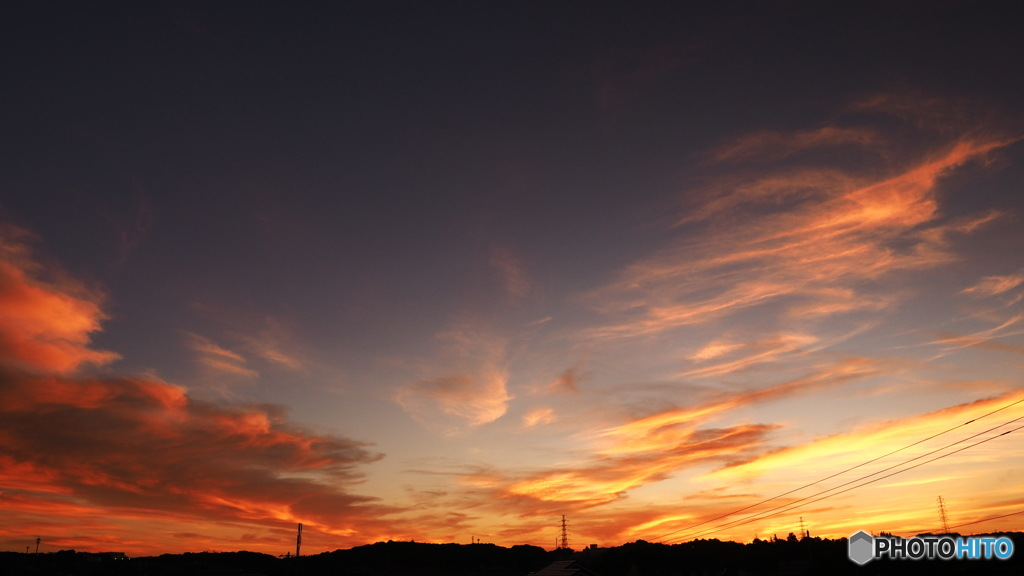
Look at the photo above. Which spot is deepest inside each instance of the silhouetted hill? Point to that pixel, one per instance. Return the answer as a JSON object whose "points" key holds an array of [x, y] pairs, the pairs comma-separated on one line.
{"points": [[401, 558], [697, 558]]}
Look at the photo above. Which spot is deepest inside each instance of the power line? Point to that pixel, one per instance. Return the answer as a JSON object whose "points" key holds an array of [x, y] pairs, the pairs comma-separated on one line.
{"points": [[796, 504], [972, 522], [986, 519], [726, 515]]}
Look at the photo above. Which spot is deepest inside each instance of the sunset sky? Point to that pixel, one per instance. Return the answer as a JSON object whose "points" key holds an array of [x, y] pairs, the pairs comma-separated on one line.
{"points": [[439, 270]]}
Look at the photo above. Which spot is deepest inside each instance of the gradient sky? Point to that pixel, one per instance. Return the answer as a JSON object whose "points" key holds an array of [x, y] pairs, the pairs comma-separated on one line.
{"points": [[436, 271]]}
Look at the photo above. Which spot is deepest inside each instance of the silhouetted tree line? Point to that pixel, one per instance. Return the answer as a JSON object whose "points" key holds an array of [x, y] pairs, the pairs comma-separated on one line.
{"points": [[772, 557]]}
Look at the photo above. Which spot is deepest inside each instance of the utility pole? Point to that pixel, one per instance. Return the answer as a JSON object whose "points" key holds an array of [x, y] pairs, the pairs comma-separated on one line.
{"points": [[942, 516], [37, 544]]}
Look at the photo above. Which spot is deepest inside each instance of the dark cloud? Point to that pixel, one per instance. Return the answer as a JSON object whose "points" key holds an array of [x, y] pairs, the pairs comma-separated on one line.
{"points": [[83, 447]]}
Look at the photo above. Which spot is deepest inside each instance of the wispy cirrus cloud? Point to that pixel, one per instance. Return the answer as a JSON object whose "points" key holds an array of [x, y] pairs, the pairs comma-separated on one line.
{"points": [[569, 380], [256, 337], [995, 285], [986, 339], [662, 430], [733, 356], [273, 345], [796, 245], [773, 146], [976, 342], [610, 476], [476, 399], [510, 270], [471, 387], [813, 239], [215, 357]]}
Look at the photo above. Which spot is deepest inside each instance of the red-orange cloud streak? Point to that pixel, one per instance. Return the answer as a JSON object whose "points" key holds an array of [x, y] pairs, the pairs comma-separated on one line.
{"points": [[44, 326], [142, 453]]}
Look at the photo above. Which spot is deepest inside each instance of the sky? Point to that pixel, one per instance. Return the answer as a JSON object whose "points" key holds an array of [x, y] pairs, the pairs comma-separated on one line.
{"points": [[449, 271]]}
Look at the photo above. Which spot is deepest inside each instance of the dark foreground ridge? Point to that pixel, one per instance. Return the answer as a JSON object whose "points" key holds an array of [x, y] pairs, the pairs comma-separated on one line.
{"points": [[697, 558]]}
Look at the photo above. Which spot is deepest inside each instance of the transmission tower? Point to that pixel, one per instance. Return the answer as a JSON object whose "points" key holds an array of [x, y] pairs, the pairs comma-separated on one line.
{"points": [[298, 541], [942, 516], [565, 534], [803, 533]]}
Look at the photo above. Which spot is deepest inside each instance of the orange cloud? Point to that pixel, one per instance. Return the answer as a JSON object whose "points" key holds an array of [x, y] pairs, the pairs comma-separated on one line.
{"points": [[994, 285], [44, 325], [475, 400], [611, 462], [609, 476], [813, 239], [101, 463], [472, 393], [663, 430], [805, 250], [135, 448], [828, 455], [541, 415]]}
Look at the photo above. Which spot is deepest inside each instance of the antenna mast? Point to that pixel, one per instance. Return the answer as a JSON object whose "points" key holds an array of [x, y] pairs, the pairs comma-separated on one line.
{"points": [[298, 541]]}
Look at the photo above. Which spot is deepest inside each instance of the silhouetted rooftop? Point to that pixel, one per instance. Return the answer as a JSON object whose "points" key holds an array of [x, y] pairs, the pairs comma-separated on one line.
{"points": [[564, 568]]}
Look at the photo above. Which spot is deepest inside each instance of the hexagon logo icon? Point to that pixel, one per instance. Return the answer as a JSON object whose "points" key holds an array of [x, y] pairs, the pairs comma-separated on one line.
{"points": [[861, 547]]}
